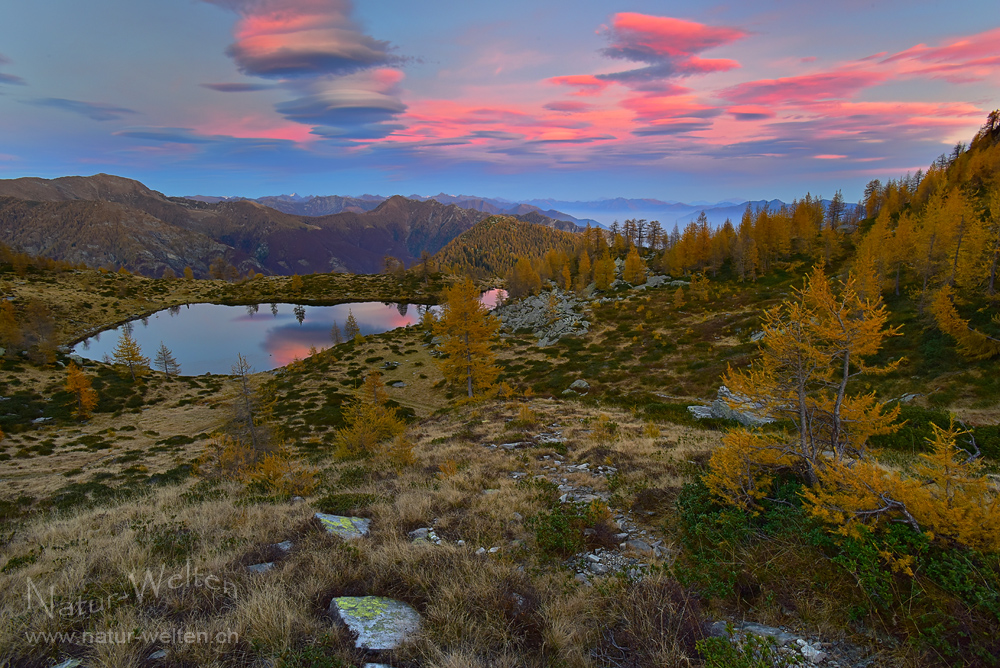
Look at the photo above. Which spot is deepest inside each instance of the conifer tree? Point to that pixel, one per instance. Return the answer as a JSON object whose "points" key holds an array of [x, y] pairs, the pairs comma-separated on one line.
{"points": [[335, 334], [604, 272], [78, 384], [188, 274], [814, 346], [10, 330], [296, 284], [351, 328], [166, 362], [679, 297], [523, 280], [634, 271], [128, 354], [370, 421], [972, 344], [468, 332]]}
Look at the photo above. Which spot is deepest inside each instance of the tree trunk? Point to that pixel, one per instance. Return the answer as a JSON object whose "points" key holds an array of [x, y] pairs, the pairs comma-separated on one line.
{"points": [[958, 247]]}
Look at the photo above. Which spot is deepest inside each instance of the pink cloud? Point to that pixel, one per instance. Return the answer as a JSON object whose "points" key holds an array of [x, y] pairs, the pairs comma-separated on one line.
{"points": [[588, 84], [295, 38], [568, 106], [669, 36], [669, 47], [836, 84], [971, 58]]}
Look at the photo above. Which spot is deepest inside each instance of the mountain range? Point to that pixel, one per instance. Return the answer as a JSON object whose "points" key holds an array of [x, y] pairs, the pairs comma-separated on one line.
{"points": [[595, 212], [106, 220]]}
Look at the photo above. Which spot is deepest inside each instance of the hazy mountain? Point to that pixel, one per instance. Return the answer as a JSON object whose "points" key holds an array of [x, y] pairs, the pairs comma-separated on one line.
{"points": [[109, 220]]}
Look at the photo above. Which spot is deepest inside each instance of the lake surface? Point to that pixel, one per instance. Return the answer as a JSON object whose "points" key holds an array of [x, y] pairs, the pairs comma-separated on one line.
{"points": [[205, 338]]}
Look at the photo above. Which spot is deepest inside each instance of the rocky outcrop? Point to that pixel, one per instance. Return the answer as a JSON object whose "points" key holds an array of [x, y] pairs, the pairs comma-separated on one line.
{"points": [[550, 316], [731, 406]]}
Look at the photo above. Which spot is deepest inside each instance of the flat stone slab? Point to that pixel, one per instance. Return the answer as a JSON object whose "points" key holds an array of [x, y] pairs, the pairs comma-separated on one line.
{"points": [[345, 527], [380, 623], [261, 568]]}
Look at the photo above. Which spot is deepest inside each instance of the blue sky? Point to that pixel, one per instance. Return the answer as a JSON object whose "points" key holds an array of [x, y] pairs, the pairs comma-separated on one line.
{"points": [[569, 100]]}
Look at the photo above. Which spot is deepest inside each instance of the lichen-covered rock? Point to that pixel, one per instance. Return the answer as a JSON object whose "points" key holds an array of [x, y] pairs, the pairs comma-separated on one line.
{"points": [[579, 385], [380, 623], [345, 527]]}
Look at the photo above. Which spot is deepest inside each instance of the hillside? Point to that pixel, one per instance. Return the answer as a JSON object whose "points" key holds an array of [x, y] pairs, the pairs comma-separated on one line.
{"points": [[493, 246]]}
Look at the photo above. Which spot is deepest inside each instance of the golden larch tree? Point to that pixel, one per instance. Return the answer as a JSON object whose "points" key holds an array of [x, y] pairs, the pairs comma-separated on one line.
{"points": [[78, 384], [370, 421], [604, 272], [634, 271], [814, 345], [128, 354], [468, 332]]}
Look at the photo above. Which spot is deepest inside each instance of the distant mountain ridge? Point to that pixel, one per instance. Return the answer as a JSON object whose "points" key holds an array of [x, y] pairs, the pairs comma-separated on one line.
{"points": [[595, 212], [106, 220]]}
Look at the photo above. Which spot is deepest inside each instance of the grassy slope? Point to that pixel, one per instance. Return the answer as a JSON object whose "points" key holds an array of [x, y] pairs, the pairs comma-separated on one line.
{"points": [[87, 503]]}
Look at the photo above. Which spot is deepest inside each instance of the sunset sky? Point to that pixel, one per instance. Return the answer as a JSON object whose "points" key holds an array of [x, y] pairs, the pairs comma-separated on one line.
{"points": [[568, 99]]}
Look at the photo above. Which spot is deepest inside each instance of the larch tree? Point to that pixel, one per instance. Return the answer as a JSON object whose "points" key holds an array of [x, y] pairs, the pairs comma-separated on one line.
{"points": [[634, 271], [370, 420], [814, 346], [335, 335], [468, 332], [165, 361], [295, 285], [604, 272], [352, 331], [523, 280], [251, 406], [10, 329], [188, 274], [78, 385], [972, 343], [128, 354]]}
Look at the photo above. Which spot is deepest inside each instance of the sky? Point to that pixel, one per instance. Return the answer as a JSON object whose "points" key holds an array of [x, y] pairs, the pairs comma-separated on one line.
{"points": [[564, 99]]}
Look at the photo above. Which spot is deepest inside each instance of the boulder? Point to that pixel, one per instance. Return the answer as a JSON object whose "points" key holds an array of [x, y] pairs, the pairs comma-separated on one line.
{"points": [[345, 527], [380, 623], [731, 406], [580, 385]]}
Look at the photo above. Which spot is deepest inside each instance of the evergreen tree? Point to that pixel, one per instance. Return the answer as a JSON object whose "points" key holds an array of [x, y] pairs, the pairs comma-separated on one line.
{"points": [[166, 362], [468, 332], [335, 334]]}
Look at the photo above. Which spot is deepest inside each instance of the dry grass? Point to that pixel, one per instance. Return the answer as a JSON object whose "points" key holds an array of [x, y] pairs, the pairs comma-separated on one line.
{"points": [[500, 609]]}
